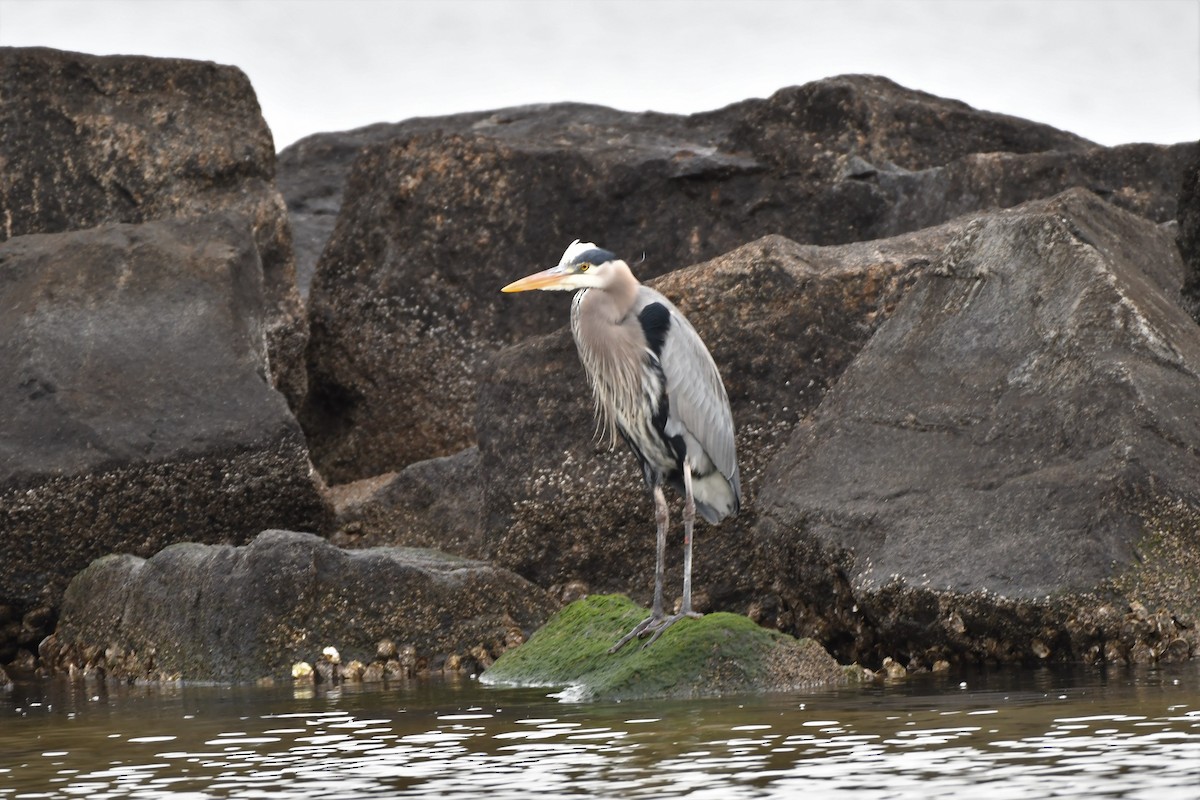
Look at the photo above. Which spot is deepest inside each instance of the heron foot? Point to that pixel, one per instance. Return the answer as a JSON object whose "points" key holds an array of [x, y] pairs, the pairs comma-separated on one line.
{"points": [[652, 626]]}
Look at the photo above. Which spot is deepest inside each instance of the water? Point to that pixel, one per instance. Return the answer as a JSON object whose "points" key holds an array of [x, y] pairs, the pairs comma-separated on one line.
{"points": [[1032, 734]]}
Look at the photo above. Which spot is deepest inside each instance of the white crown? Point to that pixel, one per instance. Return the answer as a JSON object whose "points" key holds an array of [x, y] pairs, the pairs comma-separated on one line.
{"points": [[575, 249]]}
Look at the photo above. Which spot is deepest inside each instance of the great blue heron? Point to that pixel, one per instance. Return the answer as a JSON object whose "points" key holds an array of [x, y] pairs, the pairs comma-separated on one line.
{"points": [[655, 384]]}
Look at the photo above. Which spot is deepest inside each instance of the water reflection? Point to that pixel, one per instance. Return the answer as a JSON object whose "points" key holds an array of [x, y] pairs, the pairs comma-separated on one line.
{"points": [[1013, 734]]}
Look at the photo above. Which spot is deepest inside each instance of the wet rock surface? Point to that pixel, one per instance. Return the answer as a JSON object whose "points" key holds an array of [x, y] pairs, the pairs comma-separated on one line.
{"points": [[224, 613], [137, 409], [404, 306], [88, 140], [714, 655]]}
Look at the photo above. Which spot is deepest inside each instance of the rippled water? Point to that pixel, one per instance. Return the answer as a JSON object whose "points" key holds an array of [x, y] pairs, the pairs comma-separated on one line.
{"points": [[1044, 733]]}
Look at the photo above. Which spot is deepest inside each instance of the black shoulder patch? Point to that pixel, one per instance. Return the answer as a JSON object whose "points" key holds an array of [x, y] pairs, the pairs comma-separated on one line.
{"points": [[656, 321]]}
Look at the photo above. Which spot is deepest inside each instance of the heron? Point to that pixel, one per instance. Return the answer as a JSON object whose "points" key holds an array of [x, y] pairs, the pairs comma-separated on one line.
{"points": [[656, 386]]}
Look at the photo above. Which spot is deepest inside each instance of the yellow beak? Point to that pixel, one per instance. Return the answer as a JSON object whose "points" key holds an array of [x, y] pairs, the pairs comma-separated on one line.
{"points": [[546, 279]]}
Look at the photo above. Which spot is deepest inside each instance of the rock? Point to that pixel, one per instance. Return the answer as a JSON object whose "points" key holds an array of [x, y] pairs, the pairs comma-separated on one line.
{"points": [[135, 408], [234, 614], [311, 174], [993, 461], [435, 503], [88, 140], [782, 321], [892, 670], [1141, 178], [404, 306], [716, 654], [1188, 236]]}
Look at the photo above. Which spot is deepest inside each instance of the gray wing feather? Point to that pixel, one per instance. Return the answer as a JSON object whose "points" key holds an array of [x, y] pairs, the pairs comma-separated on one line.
{"points": [[698, 399]]}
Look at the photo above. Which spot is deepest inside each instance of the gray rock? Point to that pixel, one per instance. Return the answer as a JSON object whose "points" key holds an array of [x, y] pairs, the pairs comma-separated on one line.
{"points": [[435, 503], [311, 175], [1189, 235], [235, 614], [1001, 448], [1141, 178], [404, 307], [87, 140], [135, 407]]}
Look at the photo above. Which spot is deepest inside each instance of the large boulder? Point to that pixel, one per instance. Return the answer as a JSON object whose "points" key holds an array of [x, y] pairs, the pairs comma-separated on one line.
{"points": [[87, 140], [311, 175], [404, 306], [236, 614], [135, 405], [782, 321], [1010, 468]]}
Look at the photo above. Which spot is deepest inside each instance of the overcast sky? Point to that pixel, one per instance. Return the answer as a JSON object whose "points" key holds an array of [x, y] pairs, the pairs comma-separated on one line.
{"points": [[1114, 71]]}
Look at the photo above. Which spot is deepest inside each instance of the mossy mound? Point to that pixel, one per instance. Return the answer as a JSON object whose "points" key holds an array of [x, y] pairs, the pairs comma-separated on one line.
{"points": [[716, 654]]}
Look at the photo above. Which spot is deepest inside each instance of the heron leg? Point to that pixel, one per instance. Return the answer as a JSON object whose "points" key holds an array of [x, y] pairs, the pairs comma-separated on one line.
{"points": [[689, 522], [662, 518]]}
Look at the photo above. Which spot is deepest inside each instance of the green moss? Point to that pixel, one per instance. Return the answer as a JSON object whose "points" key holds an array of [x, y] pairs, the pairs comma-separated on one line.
{"points": [[716, 654]]}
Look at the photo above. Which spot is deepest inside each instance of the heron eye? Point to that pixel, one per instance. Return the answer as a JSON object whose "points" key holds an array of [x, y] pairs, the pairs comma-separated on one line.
{"points": [[584, 267]]}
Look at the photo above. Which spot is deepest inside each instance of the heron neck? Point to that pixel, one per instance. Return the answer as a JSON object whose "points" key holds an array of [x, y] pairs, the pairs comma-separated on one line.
{"points": [[622, 290]]}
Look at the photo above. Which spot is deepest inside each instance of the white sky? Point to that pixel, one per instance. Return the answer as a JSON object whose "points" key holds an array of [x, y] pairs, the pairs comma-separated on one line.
{"points": [[1114, 71]]}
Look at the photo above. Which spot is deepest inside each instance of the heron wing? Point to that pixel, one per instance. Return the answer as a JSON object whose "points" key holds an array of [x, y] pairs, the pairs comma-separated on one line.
{"points": [[698, 402]]}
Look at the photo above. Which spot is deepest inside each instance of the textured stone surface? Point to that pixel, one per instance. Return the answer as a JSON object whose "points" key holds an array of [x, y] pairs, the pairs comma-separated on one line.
{"points": [[435, 503], [223, 613], [1189, 234], [1002, 441], [404, 306], [135, 408], [1041, 367], [87, 140], [311, 175]]}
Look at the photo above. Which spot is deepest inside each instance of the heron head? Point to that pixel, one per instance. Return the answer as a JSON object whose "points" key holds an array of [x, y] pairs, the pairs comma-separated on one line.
{"points": [[583, 266]]}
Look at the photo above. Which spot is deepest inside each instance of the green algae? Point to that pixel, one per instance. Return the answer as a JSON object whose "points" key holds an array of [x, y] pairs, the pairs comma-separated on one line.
{"points": [[718, 653]]}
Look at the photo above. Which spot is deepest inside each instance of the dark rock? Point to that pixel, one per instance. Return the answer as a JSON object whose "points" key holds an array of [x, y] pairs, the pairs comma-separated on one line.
{"points": [[1141, 178], [87, 140], [233, 614], [996, 451], [435, 503], [714, 655], [135, 410], [311, 174], [404, 307], [1189, 235], [810, 128], [782, 321]]}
